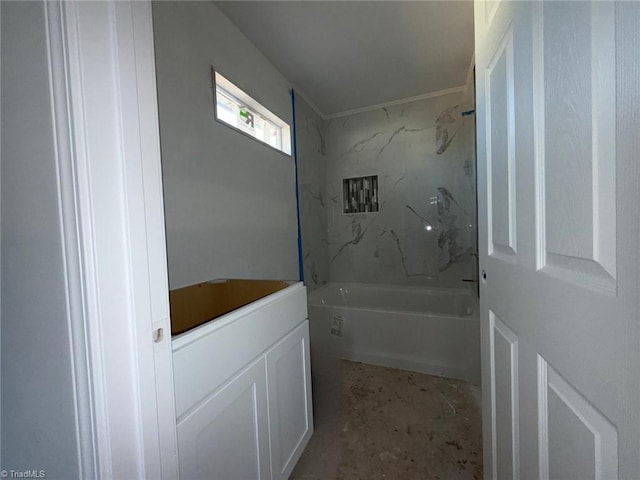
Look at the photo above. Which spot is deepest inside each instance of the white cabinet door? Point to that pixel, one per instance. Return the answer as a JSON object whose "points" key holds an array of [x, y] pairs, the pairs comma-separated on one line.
{"points": [[226, 437], [289, 383], [558, 198]]}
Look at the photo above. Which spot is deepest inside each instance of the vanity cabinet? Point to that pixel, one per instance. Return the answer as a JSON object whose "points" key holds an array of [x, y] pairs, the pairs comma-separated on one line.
{"points": [[243, 390]]}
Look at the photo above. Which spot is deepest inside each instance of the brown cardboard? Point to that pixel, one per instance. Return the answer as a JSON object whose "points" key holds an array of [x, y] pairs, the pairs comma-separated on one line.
{"points": [[197, 304]]}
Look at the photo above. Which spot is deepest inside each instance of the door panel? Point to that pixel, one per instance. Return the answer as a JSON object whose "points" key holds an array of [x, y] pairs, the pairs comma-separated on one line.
{"points": [[500, 151], [575, 125], [557, 181], [584, 442], [504, 346]]}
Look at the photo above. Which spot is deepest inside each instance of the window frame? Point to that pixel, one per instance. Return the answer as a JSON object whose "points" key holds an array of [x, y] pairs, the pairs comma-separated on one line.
{"points": [[239, 97]]}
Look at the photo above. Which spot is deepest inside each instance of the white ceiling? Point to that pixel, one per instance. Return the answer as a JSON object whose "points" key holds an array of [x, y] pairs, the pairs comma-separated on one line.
{"points": [[345, 55]]}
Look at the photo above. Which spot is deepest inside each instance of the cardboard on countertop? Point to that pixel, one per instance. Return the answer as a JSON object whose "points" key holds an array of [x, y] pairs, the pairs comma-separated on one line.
{"points": [[197, 304]]}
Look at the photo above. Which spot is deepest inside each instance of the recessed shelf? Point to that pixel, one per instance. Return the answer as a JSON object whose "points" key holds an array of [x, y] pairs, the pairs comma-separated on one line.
{"points": [[360, 194]]}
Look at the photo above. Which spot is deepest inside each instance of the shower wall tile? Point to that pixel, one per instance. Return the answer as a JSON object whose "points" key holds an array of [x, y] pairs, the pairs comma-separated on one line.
{"points": [[425, 231], [311, 148]]}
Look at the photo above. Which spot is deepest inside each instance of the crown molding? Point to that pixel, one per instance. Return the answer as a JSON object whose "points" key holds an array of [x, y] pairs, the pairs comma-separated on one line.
{"points": [[392, 103]]}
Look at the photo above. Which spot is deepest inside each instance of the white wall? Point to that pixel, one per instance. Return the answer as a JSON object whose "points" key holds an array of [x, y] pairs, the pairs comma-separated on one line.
{"points": [[37, 403], [229, 200]]}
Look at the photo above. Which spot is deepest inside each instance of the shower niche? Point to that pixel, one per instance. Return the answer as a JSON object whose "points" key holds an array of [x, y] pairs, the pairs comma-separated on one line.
{"points": [[360, 194]]}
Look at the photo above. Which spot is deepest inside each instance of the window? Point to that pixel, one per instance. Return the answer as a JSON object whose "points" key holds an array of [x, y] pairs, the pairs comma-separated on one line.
{"points": [[238, 110]]}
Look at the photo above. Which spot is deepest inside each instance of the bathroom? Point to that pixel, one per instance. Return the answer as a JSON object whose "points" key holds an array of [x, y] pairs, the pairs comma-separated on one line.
{"points": [[392, 288], [124, 195], [417, 156]]}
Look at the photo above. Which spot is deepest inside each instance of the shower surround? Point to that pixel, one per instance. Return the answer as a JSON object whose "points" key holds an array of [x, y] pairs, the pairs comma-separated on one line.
{"points": [[425, 231], [311, 148]]}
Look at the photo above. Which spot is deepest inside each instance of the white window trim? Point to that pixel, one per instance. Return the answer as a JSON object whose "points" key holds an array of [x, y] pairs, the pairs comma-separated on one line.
{"points": [[233, 91]]}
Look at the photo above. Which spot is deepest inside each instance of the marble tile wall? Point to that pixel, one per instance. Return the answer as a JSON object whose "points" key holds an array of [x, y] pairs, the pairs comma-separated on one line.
{"points": [[424, 155], [425, 231], [311, 146]]}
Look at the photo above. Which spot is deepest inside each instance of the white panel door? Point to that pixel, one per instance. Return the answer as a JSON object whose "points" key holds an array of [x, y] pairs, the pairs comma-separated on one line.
{"points": [[558, 118]]}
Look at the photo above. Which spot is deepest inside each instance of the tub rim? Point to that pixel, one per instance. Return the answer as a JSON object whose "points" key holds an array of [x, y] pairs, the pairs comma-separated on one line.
{"points": [[313, 296]]}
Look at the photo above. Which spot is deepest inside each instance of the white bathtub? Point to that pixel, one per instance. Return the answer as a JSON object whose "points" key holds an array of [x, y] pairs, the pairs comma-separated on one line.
{"points": [[428, 330]]}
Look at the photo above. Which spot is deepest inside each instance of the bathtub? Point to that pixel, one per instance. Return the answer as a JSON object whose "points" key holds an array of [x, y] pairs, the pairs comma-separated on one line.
{"points": [[422, 329]]}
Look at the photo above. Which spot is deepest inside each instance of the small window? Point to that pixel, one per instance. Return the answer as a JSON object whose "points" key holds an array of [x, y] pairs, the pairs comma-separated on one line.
{"points": [[238, 110]]}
